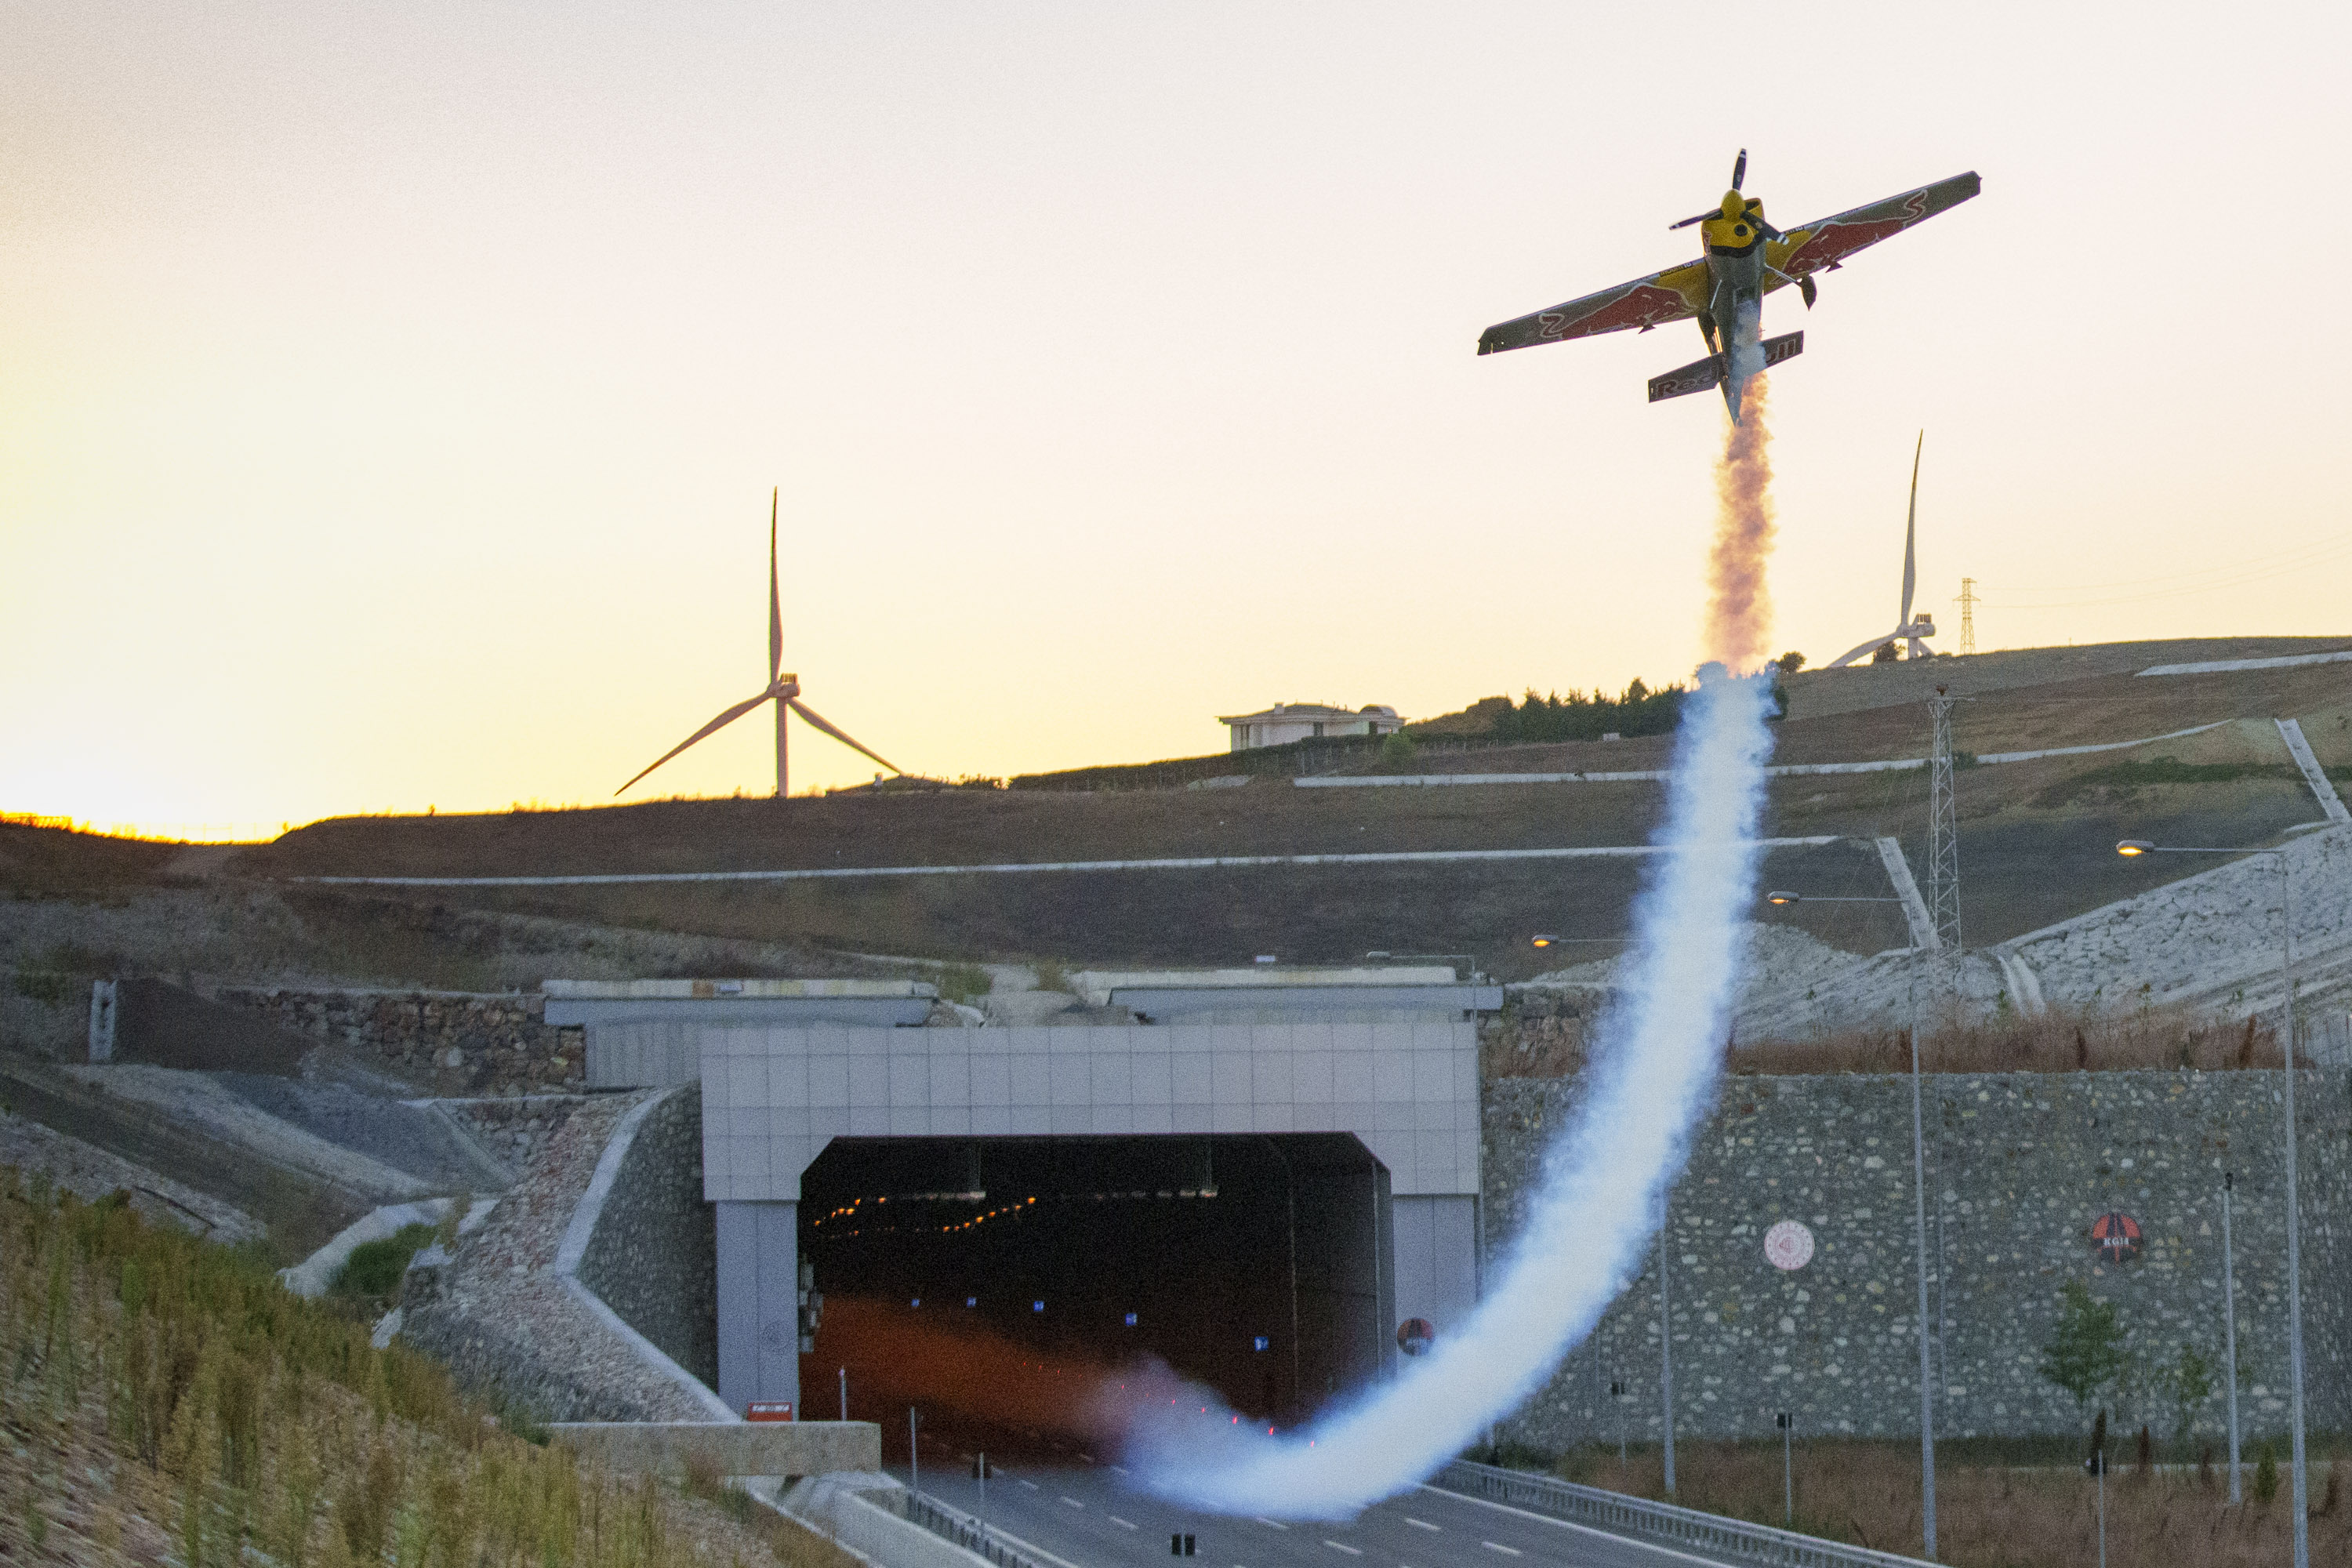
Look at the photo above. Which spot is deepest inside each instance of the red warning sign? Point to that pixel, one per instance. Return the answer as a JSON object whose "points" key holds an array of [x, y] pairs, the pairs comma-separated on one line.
{"points": [[2118, 1235], [769, 1410]]}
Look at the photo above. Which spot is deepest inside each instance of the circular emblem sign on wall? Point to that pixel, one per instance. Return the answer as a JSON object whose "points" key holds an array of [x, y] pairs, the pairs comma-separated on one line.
{"points": [[1789, 1246], [2118, 1235], [1415, 1335]]}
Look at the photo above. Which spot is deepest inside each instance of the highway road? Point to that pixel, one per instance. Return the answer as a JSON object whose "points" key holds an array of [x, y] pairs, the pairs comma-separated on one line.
{"points": [[1085, 1516]]}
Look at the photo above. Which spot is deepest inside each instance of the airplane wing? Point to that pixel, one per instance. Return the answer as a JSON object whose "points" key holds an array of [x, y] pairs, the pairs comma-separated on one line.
{"points": [[1824, 245], [1645, 303]]}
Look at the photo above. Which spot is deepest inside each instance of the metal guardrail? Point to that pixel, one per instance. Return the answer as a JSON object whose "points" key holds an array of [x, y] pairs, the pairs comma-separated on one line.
{"points": [[970, 1534], [1706, 1534]]}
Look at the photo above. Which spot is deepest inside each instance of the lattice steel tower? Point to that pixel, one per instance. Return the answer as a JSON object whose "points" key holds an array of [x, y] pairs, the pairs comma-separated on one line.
{"points": [[1943, 843], [1967, 616]]}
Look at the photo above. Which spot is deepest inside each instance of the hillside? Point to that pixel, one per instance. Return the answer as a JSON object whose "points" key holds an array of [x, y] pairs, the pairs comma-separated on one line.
{"points": [[2036, 836], [167, 1401], [2036, 841]]}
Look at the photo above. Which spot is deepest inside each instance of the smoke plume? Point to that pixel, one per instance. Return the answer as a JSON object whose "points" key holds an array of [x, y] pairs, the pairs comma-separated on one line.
{"points": [[1739, 606], [1660, 1049]]}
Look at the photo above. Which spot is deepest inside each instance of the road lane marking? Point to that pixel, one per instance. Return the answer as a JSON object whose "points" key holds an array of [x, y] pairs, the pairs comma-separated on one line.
{"points": [[1118, 1469], [1118, 1522], [1343, 1546], [1420, 1523], [1031, 1485], [1074, 1502], [1272, 1523], [1506, 1551]]}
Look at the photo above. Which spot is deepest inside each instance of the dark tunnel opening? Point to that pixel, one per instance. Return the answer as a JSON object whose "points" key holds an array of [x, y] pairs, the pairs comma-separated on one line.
{"points": [[1257, 1265]]}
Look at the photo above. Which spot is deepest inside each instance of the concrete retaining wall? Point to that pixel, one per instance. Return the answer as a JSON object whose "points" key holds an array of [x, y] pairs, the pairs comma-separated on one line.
{"points": [[789, 1448], [2019, 1167]]}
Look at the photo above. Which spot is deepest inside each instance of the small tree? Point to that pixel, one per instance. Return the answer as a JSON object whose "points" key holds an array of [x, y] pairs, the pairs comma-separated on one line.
{"points": [[2187, 1383], [2085, 1351], [1398, 752], [1791, 662]]}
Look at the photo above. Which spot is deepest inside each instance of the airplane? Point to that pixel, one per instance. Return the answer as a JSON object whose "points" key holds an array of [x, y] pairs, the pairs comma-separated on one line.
{"points": [[1744, 258]]}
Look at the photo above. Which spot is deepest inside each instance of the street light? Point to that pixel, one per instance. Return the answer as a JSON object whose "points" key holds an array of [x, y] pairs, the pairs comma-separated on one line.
{"points": [[1919, 1221], [1545, 938], [2132, 848]]}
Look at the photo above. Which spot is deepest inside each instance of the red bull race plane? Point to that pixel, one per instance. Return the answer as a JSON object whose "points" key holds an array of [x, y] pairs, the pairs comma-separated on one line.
{"points": [[1743, 258]]}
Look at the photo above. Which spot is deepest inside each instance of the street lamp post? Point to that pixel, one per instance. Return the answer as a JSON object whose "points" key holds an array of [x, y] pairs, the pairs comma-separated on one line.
{"points": [[2136, 846], [1920, 1225], [2230, 1332]]}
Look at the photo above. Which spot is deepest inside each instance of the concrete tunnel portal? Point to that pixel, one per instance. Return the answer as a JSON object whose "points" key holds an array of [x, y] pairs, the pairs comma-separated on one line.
{"points": [[1258, 1265], [1288, 1162]]}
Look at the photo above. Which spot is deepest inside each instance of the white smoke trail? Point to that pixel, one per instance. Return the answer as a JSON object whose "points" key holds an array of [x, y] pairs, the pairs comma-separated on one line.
{"points": [[1662, 1051]]}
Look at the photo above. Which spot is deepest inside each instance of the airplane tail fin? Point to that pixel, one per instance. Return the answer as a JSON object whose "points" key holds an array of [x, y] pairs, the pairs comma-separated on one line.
{"points": [[1704, 375]]}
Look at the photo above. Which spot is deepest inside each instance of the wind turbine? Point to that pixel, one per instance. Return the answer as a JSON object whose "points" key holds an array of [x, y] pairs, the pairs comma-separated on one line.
{"points": [[1909, 631], [783, 690]]}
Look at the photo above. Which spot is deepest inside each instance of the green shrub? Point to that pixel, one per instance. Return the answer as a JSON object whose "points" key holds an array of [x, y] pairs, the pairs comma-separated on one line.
{"points": [[375, 1267], [2266, 1474], [1398, 753], [36, 986], [964, 982]]}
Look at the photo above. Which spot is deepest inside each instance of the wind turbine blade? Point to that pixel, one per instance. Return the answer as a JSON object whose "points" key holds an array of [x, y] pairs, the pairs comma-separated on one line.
{"points": [[805, 712], [1911, 533], [775, 605], [715, 724]]}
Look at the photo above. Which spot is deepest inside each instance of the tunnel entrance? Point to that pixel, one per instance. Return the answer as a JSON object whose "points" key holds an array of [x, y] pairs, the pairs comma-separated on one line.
{"points": [[952, 1267]]}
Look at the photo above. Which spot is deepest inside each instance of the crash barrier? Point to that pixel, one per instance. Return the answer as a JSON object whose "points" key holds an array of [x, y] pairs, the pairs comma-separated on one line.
{"points": [[972, 1535], [1703, 1534]]}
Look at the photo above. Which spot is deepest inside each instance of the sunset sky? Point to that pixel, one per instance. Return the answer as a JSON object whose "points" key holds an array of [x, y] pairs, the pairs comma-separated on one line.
{"points": [[390, 395]]}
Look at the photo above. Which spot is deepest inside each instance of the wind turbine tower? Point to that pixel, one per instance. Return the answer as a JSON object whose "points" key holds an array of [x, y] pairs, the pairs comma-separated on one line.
{"points": [[1909, 631], [783, 690]]}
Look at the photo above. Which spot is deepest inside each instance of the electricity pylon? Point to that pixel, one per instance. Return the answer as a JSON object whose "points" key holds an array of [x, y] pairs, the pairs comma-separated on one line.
{"points": [[1968, 616], [1943, 845]]}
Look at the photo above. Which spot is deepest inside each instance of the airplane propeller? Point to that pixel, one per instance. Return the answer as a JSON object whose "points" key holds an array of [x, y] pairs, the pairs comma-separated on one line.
{"points": [[1738, 178]]}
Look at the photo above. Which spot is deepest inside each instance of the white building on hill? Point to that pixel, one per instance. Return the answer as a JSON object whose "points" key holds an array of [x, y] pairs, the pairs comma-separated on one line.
{"points": [[1288, 722]]}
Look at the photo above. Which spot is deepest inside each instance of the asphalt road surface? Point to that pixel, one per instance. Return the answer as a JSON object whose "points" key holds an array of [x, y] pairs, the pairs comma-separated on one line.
{"points": [[1085, 1517]]}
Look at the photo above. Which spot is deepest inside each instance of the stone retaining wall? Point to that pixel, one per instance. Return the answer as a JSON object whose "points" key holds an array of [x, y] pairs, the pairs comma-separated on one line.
{"points": [[516, 1129], [464, 1043], [654, 1257], [2019, 1166]]}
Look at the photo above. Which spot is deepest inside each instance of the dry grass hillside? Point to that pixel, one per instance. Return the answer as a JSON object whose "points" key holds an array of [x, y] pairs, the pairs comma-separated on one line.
{"points": [[2036, 836], [167, 1402], [2036, 839], [1999, 1506]]}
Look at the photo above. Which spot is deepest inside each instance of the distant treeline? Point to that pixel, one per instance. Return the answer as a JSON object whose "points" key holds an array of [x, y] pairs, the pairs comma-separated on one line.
{"points": [[1637, 711]]}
